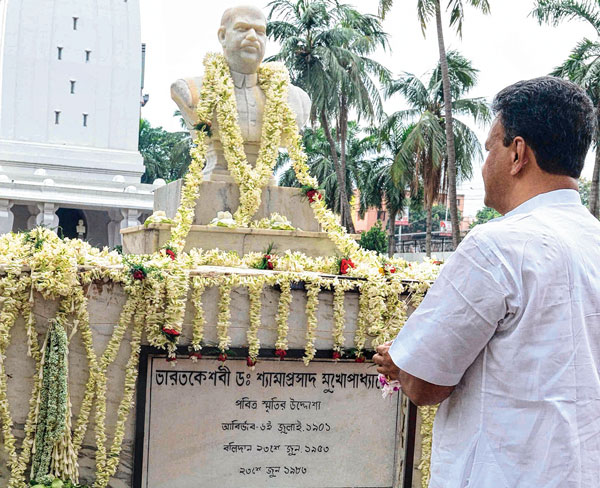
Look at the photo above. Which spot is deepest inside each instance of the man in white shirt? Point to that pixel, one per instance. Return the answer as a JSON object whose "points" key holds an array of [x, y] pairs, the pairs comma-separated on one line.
{"points": [[508, 337]]}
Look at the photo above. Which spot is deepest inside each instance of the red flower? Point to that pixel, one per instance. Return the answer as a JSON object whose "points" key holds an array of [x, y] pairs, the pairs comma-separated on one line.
{"points": [[171, 332], [222, 357], [313, 195], [392, 269], [345, 265], [170, 359], [360, 359], [138, 274], [336, 355], [281, 353], [195, 354], [171, 254], [437, 262], [250, 362], [268, 258]]}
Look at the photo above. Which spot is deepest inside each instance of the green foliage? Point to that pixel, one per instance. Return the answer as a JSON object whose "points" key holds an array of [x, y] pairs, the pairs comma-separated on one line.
{"points": [[166, 154], [53, 402], [484, 215], [360, 155], [375, 239], [585, 186], [50, 481], [417, 221], [423, 152]]}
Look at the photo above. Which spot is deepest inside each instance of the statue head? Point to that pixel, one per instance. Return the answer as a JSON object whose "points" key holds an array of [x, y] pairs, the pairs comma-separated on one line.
{"points": [[243, 35]]}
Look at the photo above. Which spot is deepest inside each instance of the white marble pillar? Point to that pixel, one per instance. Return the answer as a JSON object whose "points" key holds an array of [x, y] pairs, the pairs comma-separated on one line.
{"points": [[114, 237], [47, 215], [131, 217], [121, 219], [7, 218]]}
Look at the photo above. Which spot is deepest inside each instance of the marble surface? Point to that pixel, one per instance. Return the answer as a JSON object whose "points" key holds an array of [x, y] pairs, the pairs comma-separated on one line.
{"points": [[105, 303], [283, 425], [217, 196], [144, 240]]}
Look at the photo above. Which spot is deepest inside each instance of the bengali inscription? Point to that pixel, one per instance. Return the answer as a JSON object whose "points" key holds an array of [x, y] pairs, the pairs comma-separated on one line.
{"points": [[281, 425]]}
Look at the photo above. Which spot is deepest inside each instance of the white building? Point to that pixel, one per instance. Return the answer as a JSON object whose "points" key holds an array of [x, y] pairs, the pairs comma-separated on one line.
{"points": [[70, 79]]}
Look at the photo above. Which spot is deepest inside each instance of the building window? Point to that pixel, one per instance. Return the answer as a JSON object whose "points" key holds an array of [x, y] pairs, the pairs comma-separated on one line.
{"points": [[75, 19], [85, 119], [57, 117], [87, 55], [72, 86], [59, 52]]}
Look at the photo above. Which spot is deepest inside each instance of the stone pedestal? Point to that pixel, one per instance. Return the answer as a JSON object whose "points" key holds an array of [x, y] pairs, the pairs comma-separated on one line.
{"points": [[146, 240], [217, 196]]}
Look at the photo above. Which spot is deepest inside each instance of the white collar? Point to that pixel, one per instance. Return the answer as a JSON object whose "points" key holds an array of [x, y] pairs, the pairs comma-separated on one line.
{"points": [[241, 80], [564, 196]]}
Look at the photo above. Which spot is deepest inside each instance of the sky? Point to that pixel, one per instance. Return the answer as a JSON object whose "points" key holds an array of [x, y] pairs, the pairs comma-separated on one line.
{"points": [[506, 46]]}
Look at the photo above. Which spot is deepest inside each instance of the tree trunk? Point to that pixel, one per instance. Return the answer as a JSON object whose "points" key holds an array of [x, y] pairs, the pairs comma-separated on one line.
{"points": [[428, 230], [449, 128], [336, 164], [348, 223], [593, 203], [594, 187], [392, 234]]}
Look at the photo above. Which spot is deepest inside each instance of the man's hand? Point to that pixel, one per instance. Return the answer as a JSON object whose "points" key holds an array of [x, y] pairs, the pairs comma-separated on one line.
{"points": [[384, 362], [419, 391]]}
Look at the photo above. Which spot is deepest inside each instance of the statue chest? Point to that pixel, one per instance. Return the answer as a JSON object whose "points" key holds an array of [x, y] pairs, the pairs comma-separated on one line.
{"points": [[250, 106]]}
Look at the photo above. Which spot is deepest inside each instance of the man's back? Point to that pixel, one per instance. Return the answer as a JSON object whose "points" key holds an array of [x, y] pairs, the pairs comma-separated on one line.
{"points": [[521, 298]]}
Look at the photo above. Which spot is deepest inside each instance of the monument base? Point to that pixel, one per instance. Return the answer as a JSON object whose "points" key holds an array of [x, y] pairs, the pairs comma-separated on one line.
{"points": [[220, 193], [146, 240]]}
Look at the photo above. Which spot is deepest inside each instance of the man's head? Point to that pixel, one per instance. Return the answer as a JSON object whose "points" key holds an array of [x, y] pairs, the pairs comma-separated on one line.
{"points": [[538, 141], [243, 35]]}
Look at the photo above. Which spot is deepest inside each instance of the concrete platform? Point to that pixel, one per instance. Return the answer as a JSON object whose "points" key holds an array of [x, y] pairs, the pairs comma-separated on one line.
{"points": [[146, 240], [217, 196]]}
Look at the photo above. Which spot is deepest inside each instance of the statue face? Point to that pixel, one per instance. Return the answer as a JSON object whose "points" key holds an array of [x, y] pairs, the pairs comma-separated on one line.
{"points": [[243, 36]]}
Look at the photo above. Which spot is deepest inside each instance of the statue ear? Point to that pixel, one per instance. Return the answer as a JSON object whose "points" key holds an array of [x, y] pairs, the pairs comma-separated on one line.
{"points": [[221, 35]]}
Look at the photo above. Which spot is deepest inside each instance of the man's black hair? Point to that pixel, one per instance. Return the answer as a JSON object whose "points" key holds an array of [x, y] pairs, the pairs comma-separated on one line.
{"points": [[555, 118]]}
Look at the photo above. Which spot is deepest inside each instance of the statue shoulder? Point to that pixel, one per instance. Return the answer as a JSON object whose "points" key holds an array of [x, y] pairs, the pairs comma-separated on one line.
{"points": [[300, 103], [186, 91], [300, 96]]}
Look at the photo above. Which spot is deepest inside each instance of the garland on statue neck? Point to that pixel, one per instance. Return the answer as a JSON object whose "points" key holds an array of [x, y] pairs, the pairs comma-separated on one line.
{"points": [[279, 122]]}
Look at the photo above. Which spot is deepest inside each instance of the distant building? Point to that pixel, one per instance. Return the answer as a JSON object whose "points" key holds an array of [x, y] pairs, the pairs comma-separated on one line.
{"points": [[373, 215], [70, 78]]}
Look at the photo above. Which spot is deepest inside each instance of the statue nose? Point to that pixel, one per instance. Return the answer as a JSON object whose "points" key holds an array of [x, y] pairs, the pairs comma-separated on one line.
{"points": [[252, 35]]}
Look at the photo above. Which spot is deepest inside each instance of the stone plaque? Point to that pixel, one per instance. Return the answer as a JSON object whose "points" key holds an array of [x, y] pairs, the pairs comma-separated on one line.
{"points": [[209, 424]]}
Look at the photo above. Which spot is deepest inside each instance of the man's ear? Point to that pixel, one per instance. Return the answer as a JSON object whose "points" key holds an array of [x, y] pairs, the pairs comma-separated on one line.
{"points": [[520, 155], [221, 35]]}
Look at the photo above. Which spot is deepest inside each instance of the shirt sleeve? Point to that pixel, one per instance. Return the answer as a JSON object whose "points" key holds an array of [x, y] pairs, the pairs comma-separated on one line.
{"points": [[456, 319]]}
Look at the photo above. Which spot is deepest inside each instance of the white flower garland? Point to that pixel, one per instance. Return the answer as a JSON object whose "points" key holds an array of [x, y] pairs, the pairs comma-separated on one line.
{"points": [[283, 312], [312, 302], [255, 290]]}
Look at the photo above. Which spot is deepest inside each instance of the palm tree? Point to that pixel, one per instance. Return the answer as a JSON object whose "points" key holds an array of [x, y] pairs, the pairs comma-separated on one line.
{"points": [[426, 9], [166, 154], [378, 188], [424, 152], [583, 64], [361, 151], [326, 46]]}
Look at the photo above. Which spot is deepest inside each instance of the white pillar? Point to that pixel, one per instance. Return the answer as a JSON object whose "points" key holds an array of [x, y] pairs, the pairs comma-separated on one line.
{"points": [[130, 217], [7, 218], [33, 211], [114, 236], [47, 215]]}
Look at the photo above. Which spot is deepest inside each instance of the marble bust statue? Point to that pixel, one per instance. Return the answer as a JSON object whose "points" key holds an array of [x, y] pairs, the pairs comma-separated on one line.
{"points": [[243, 36]]}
